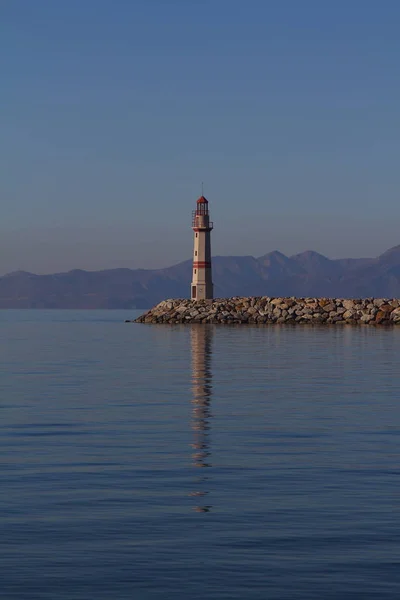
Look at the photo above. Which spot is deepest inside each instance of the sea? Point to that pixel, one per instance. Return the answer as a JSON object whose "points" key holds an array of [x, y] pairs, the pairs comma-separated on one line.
{"points": [[153, 462]]}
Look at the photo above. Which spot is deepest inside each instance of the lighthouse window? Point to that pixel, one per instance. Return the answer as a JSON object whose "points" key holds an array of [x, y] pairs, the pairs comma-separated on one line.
{"points": [[196, 234], [195, 252], [195, 271]]}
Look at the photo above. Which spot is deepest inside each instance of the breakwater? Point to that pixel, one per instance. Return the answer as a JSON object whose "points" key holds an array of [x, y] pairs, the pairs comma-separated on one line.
{"points": [[266, 310]]}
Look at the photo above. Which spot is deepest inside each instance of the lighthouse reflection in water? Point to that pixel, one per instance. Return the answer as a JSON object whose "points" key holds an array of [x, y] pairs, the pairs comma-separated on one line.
{"points": [[201, 354]]}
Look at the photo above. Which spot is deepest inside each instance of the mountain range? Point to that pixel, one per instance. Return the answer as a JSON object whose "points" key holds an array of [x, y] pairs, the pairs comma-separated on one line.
{"points": [[274, 274]]}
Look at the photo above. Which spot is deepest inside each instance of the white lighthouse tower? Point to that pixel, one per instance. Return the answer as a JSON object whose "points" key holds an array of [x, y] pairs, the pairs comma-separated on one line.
{"points": [[202, 286]]}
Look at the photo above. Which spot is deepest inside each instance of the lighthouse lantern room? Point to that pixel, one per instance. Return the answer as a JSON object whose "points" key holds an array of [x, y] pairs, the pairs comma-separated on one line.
{"points": [[202, 286]]}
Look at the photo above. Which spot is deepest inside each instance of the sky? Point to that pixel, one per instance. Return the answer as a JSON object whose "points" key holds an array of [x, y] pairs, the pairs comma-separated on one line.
{"points": [[112, 113]]}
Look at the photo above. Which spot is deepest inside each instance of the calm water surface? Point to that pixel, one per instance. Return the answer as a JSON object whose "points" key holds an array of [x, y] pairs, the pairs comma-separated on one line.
{"points": [[151, 462]]}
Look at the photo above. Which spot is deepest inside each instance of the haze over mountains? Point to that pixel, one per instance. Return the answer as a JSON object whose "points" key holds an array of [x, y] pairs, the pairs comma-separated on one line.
{"points": [[274, 274]]}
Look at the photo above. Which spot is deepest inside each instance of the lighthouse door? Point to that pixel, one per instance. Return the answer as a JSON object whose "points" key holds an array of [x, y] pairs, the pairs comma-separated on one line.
{"points": [[194, 292]]}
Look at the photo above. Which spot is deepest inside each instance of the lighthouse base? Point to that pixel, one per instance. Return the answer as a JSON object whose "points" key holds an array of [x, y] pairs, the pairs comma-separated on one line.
{"points": [[267, 310], [202, 291]]}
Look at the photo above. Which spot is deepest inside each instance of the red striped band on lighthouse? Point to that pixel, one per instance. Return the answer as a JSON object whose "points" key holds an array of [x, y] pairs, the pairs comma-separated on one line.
{"points": [[202, 265]]}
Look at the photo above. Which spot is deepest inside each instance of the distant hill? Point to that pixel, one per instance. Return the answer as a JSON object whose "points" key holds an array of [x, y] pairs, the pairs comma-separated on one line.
{"points": [[274, 274]]}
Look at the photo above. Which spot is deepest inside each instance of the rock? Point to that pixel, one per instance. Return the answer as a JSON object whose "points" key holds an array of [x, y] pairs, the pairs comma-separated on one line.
{"points": [[395, 315], [181, 309], [348, 304], [381, 316], [329, 307], [277, 301], [337, 319], [348, 314], [379, 301], [366, 318], [312, 306], [386, 308], [319, 317], [324, 302]]}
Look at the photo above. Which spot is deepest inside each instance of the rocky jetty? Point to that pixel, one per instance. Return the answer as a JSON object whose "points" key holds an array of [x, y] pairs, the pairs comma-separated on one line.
{"points": [[266, 310]]}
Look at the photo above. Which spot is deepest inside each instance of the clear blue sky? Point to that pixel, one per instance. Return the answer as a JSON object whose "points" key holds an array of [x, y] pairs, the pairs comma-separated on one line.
{"points": [[114, 111]]}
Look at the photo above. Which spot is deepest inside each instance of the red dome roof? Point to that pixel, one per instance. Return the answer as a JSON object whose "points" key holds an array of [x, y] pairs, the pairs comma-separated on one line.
{"points": [[202, 200]]}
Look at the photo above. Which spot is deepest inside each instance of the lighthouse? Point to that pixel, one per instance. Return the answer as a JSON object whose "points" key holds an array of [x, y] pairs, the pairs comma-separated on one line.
{"points": [[202, 286]]}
